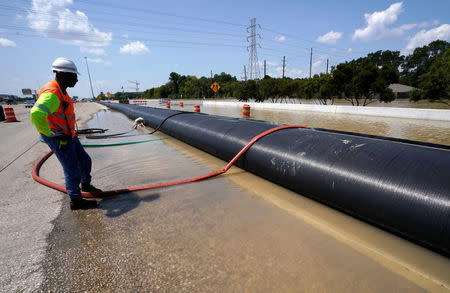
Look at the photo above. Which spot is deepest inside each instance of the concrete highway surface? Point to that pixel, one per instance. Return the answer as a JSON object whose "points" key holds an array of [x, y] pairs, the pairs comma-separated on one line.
{"points": [[232, 233]]}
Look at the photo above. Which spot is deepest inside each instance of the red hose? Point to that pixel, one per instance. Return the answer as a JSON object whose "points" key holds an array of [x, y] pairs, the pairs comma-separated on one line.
{"points": [[53, 185]]}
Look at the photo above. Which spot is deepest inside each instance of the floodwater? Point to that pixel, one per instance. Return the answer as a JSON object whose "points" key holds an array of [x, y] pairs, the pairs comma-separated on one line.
{"points": [[419, 130], [233, 233], [412, 129]]}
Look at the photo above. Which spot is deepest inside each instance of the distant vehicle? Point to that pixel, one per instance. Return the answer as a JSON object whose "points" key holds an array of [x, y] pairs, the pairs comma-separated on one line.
{"points": [[11, 102], [29, 104]]}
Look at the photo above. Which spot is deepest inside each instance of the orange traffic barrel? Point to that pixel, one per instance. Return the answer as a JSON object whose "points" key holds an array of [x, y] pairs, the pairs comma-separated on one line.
{"points": [[168, 105], [181, 104], [9, 113], [197, 108], [246, 111]]}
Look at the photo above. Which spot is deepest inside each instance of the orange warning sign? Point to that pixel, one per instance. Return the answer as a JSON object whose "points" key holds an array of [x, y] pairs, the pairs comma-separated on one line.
{"points": [[215, 87]]}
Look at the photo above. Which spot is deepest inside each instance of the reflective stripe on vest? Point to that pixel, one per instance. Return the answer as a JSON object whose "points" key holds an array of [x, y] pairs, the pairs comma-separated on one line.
{"points": [[63, 127], [57, 120], [43, 107]]}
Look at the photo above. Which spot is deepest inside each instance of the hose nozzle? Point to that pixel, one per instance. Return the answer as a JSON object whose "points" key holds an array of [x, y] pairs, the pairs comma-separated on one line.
{"points": [[138, 122]]}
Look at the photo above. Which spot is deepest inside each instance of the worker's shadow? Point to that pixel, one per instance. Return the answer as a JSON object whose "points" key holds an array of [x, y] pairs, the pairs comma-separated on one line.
{"points": [[121, 204]]}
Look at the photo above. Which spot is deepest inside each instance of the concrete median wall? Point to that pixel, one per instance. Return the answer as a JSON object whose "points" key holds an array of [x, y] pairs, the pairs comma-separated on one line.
{"points": [[409, 113]]}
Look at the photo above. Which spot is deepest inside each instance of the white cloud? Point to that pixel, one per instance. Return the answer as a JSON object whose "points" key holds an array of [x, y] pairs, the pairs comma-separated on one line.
{"points": [[6, 43], [280, 39], [316, 65], [289, 72], [134, 48], [409, 26], [349, 50], [423, 24], [100, 83], [97, 60], [378, 24], [268, 63], [294, 72], [95, 51], [424, 37], [329, 38], [436, 22], [124, 36], [54, 20]]}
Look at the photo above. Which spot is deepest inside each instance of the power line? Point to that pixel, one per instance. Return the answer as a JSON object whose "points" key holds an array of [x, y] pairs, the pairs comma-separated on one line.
{"points": [[150, 11], [138, 25], [90, 37], [306, 40]]}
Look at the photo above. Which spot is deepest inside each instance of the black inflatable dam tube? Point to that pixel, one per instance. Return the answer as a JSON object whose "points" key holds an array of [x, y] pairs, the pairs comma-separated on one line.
{"points": [[401, 187]]}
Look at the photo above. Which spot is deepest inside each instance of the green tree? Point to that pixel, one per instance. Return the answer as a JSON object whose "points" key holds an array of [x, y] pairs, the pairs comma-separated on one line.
{"points": [[101, 96], [192, 87], [327, 90], [165, 91], [435, 84], [362, 82], [248, 90], [148, 94], [386, 58], [177, 81], [419, 62], [269, 90], [224, 77]]}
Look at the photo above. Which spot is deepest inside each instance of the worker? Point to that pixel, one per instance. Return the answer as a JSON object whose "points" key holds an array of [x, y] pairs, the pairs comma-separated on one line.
{"points": [[54, 118]]}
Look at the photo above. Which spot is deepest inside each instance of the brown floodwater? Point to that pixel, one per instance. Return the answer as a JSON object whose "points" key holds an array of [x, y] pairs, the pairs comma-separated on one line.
{"points": [[412, 129], [232, 233]]}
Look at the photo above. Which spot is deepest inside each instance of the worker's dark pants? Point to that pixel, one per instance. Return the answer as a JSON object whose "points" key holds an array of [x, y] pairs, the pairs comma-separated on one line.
{"points": [[75, 161]]}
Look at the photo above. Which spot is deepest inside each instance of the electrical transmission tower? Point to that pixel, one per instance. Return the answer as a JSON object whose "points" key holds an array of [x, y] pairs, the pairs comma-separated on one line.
{"points": [[136, 87], [253, 64]]}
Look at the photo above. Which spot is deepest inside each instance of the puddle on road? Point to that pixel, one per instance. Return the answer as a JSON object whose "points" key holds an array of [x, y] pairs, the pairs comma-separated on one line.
{"points": [[235, 232]]}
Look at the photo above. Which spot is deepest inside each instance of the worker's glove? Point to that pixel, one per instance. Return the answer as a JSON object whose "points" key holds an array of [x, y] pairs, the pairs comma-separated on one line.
{"points": [[63, 142]]}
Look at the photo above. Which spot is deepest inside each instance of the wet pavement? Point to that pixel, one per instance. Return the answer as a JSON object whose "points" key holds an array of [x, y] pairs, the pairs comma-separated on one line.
{"points": [[232, 233]]}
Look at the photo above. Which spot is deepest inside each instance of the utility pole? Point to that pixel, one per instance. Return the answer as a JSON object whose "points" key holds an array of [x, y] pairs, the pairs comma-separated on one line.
{"points": [[137, 85], [211, 77], [327, 66], [90, 82], [310, 63], [245, 74], [253, 63], [265, 69], [284, 64]]}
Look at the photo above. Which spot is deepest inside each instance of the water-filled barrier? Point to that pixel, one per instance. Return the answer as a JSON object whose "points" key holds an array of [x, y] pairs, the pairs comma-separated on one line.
{"points": [[398, 185]]}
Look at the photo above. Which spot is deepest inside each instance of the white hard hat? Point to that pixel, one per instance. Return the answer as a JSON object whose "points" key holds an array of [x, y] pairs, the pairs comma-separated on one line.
{"points": [[62, 64]]}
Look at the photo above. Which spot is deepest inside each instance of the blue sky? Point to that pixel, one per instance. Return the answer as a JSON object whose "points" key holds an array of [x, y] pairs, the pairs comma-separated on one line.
{"points": [[146, 40]]}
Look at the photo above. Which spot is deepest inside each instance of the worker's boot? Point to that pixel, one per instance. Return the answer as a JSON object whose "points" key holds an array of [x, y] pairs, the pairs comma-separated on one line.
{"points": [[87, 187], [82, 204]]}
